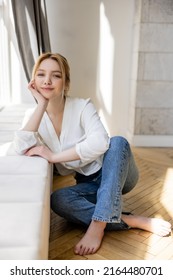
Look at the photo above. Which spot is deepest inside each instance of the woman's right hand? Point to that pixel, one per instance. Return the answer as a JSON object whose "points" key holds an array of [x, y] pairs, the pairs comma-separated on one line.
{"points": [[36, 94], [41, 151]]}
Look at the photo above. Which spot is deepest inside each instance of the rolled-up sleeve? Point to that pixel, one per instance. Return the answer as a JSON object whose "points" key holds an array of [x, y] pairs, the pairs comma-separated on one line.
{"points": [[96, 140], [24, 140]]}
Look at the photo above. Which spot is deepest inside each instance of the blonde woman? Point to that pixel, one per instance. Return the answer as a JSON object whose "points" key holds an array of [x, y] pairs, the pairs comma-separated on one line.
{"points": [[68, 132]]}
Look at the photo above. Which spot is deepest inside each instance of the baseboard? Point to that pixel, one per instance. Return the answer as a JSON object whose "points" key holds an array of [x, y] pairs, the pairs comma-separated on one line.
{"points": [[151, 140]]}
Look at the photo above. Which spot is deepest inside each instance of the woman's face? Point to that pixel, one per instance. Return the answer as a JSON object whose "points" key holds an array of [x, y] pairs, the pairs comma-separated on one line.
{"points": [[48, 79]]}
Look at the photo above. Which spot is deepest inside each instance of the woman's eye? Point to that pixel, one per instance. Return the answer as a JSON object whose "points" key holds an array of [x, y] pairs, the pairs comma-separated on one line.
{"points": [[40, 74], [57, 76]]}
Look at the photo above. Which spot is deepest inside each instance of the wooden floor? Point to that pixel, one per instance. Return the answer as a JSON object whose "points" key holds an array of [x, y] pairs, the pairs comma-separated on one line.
{"points": [[152, 197]]}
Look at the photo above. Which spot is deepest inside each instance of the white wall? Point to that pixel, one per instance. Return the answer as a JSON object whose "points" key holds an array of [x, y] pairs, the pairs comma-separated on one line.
{"points": [[96, 37]]}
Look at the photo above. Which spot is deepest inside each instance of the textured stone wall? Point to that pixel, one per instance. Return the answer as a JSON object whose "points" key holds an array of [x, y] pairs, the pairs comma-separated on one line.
{"points": [[154, 70]]}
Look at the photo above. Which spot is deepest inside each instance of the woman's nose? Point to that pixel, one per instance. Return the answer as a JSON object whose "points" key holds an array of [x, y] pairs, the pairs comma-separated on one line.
{"points": [[47, 80]]}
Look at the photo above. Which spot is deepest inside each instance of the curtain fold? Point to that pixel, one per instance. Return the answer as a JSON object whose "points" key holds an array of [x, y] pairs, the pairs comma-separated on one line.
{"points": [[31, 29]]}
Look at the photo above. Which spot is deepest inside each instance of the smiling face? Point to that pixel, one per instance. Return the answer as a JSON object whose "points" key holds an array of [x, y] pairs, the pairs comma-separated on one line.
{"points": [[48, 79], [55, 68]]}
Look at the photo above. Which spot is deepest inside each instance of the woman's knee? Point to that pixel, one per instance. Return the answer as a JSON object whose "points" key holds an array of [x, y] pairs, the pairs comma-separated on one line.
{"points": [[119, 142], [118, 139]]}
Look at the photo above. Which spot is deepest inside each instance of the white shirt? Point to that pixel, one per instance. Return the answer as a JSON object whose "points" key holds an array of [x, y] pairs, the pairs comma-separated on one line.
{"points": [[81, 127]]}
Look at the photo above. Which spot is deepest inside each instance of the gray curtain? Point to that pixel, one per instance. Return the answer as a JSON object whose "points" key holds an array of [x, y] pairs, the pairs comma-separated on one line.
{"points": [[32, 33]]}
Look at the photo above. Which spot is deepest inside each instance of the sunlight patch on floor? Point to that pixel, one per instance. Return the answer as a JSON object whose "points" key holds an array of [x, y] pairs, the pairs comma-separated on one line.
{"points": [[166, 197]]}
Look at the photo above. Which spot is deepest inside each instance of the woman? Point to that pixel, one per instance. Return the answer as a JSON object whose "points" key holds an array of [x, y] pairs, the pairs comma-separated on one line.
{"points": [[68, 132]]}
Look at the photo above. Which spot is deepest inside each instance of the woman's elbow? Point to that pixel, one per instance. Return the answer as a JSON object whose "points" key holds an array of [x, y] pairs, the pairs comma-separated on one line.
{"points": [[101, 144]]}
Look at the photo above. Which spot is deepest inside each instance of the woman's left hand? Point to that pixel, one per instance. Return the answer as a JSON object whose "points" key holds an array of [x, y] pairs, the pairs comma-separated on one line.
{"points": [[41, 151]]}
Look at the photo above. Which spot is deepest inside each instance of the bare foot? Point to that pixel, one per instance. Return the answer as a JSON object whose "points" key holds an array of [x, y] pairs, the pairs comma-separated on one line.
{"points": [[154, 225], [92, 239]]}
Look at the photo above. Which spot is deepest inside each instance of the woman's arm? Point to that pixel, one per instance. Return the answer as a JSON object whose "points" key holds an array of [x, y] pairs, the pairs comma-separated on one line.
{"points": [[96, 141], [34, 121], [28, 136], [45, 152]]}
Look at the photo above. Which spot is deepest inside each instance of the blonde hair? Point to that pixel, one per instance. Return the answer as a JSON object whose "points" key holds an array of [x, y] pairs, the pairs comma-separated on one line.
{"points": [[63, 64]]}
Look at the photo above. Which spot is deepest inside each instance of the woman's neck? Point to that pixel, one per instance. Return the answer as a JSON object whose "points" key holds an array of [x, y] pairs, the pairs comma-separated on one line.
{"points": [[56, 106]]}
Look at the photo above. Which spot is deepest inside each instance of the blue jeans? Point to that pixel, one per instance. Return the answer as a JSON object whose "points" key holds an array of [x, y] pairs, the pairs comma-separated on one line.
{"points": [[99, 196]]}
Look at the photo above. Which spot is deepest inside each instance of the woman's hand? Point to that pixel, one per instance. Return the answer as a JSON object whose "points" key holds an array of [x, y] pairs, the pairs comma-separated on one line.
{"points": [[41, 151], [36, 94]]}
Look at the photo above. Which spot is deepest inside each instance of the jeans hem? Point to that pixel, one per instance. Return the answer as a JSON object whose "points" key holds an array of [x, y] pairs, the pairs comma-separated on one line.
{"points": [[106, 220], [114, 225]]}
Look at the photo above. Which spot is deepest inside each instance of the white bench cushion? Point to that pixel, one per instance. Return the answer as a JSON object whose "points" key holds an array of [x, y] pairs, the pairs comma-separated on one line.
{"points": [[24, 207]]}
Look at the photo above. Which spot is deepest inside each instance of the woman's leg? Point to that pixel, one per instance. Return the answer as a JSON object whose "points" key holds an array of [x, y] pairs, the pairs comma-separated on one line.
{"points": [[154, 225], [119, 175], [118, 167], [77, 203]]}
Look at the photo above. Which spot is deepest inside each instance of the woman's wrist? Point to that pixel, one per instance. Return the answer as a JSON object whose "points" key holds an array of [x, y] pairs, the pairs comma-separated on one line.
{"points": [[42, 105], [55, 158], [65, 156]]}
